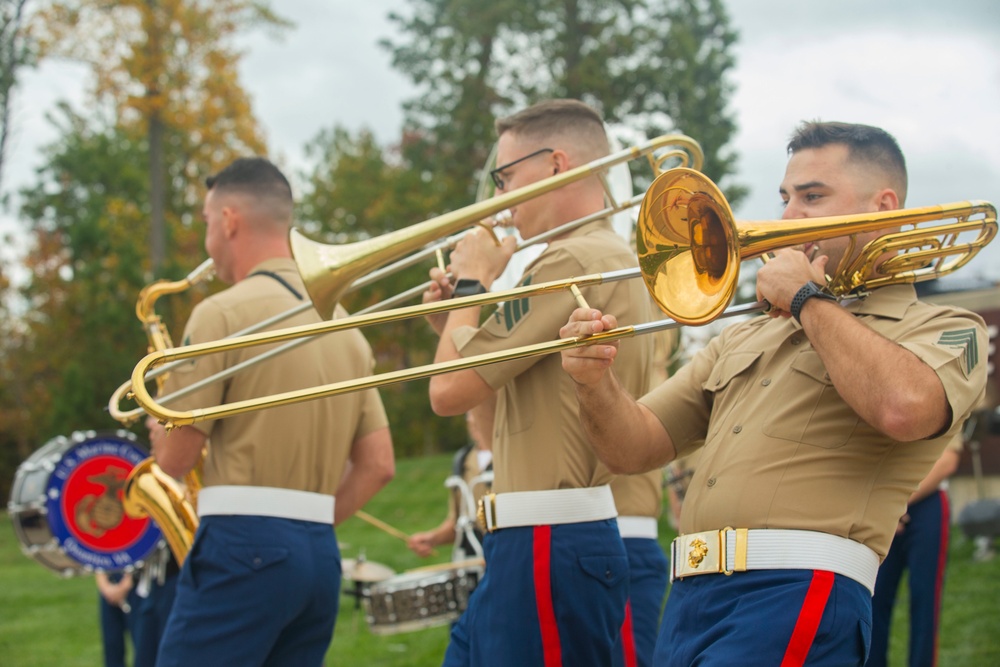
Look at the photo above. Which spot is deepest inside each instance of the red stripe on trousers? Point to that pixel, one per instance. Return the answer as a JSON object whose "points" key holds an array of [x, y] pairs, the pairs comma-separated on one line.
{"points": [[809, 618], [942, 562], [628, 638], [542, 548]]}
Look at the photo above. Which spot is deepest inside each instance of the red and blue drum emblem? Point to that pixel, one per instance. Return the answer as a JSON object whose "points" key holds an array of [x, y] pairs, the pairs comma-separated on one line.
{"points": [[84, 501]]}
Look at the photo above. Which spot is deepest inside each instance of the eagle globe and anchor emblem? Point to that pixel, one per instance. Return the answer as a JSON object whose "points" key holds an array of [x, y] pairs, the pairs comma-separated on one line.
{"points": [[84, 501]]}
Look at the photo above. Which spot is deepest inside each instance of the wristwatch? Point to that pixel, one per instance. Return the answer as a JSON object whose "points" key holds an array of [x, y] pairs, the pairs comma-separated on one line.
{"points": [[806, 292], [466, 287]]}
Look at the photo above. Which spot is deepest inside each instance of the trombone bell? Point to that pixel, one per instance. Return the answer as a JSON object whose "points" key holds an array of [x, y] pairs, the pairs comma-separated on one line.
{"points": [[687, 248], [690, 246]]}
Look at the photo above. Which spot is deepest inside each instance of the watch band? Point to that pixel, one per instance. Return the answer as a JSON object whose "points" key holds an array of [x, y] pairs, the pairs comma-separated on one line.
{"points": [[466, 287], [806, 292]]}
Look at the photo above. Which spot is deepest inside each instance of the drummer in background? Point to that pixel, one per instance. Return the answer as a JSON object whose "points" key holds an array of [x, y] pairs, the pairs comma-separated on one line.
{"points": [[262, 582], [115, 602], [470, 462], [138, 603], [556, 579], [155, 587]]}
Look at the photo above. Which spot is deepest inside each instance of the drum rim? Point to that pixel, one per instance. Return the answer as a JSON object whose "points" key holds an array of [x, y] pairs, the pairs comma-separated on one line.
{"points": [[52, 553]]}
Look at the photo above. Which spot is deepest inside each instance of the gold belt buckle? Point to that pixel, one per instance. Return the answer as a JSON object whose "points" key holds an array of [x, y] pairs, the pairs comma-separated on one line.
{"points": [[481, 513], [705, 553], [697, 553]]}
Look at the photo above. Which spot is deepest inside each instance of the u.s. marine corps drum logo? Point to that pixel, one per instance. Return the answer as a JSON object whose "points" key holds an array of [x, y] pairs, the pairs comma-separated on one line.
{"points": [[66, 504]]}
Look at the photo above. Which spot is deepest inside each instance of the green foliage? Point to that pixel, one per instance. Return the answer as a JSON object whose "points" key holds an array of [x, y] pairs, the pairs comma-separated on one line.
{"points": [[655, 66], [111, 193], [355, 193], [85, 270]]}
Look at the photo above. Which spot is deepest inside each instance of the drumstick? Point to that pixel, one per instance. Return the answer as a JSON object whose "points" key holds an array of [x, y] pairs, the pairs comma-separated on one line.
{"points": [[378, 523]]}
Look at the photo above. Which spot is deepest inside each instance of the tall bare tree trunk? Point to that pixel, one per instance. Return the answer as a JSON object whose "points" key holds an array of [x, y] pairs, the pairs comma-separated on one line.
{"points": [[157, 197]]}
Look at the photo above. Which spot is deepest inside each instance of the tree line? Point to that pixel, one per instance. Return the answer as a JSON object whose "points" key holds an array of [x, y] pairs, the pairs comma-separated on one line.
{"points": [[115, 203]]}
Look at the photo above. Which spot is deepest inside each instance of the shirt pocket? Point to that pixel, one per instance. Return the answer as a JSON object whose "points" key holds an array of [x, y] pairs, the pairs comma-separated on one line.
{"points": [[727, 371], [809, 410]]}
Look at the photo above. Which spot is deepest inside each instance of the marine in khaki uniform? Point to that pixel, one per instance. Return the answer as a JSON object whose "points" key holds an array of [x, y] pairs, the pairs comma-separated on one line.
{"points": [[556, 576], [817, 428], [261, 583]]}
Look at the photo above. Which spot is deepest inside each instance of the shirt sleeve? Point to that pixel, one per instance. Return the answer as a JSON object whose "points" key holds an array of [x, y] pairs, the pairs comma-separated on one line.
{"points": [[956, 348], [207, 323], [528, 321], [681, 403]]}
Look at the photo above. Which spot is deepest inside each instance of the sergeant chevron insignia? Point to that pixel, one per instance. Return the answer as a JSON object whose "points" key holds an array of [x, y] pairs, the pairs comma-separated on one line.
{"points": [[509, 313], [965, 339]]}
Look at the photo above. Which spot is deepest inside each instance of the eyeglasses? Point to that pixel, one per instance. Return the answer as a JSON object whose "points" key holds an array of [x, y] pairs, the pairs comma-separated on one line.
{"points": [[495, 173]]}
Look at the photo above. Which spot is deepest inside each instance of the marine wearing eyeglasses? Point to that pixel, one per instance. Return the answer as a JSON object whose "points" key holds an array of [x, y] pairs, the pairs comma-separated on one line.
{"points": [[556, 582]]}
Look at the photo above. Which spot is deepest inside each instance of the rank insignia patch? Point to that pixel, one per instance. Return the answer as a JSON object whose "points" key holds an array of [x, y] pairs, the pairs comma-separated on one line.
{"points": [[965, 339], [509, 313]]}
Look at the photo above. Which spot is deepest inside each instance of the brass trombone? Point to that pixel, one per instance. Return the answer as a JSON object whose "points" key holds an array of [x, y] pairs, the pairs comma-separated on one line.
{"points": [[328, 273], [328, 270], [690, 247]]}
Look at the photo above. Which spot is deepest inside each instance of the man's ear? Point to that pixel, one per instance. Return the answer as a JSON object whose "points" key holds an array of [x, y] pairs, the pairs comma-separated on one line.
{"points": [[887, 200], [560, 161], [231, 220]]}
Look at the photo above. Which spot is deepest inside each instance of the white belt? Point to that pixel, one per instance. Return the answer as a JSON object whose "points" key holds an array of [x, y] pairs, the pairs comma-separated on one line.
{"points": [[638, 526], [545, 508], [762, 549], [266, 501]]}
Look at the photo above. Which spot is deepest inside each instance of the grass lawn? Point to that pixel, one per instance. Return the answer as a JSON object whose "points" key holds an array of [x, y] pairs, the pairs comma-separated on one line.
{"points": [[48, 621]]}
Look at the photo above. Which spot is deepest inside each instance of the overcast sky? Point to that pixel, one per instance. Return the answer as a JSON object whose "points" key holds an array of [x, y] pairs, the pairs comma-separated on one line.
{"points": [[929, 72]]}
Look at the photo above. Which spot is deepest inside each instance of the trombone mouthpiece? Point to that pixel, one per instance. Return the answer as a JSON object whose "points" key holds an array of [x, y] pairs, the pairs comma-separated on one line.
{"points": [[503, 218]]}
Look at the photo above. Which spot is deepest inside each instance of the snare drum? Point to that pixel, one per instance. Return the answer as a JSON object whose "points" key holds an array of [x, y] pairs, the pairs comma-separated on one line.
{"points": [[66, 505], [422, 598]]}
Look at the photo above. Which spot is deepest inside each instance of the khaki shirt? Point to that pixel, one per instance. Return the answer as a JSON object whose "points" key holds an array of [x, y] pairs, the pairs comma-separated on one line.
{"points": [[538, 443], [783, 450], [639, 495], [303, 446]]}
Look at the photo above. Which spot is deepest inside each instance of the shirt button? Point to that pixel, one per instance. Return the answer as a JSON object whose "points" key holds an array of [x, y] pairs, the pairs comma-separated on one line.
{"points": [[796, 341], [765, 382], [737, 429], [711, 481]]}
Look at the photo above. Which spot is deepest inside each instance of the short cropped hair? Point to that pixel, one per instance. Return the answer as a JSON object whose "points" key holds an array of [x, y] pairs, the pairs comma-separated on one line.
{"points": [[865, 143], [256, 177], [251, 174], [579, 123]]}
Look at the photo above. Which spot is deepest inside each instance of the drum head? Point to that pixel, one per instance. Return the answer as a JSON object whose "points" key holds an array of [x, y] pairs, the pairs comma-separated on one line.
{"points": [[66, 504]]}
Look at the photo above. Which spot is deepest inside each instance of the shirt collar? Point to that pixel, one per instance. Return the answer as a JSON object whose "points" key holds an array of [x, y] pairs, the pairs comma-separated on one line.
{"points": [[891, 302]]}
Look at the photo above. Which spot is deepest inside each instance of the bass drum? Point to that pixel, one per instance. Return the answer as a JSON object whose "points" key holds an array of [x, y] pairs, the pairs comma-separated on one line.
{"points": [[66, 505]]}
